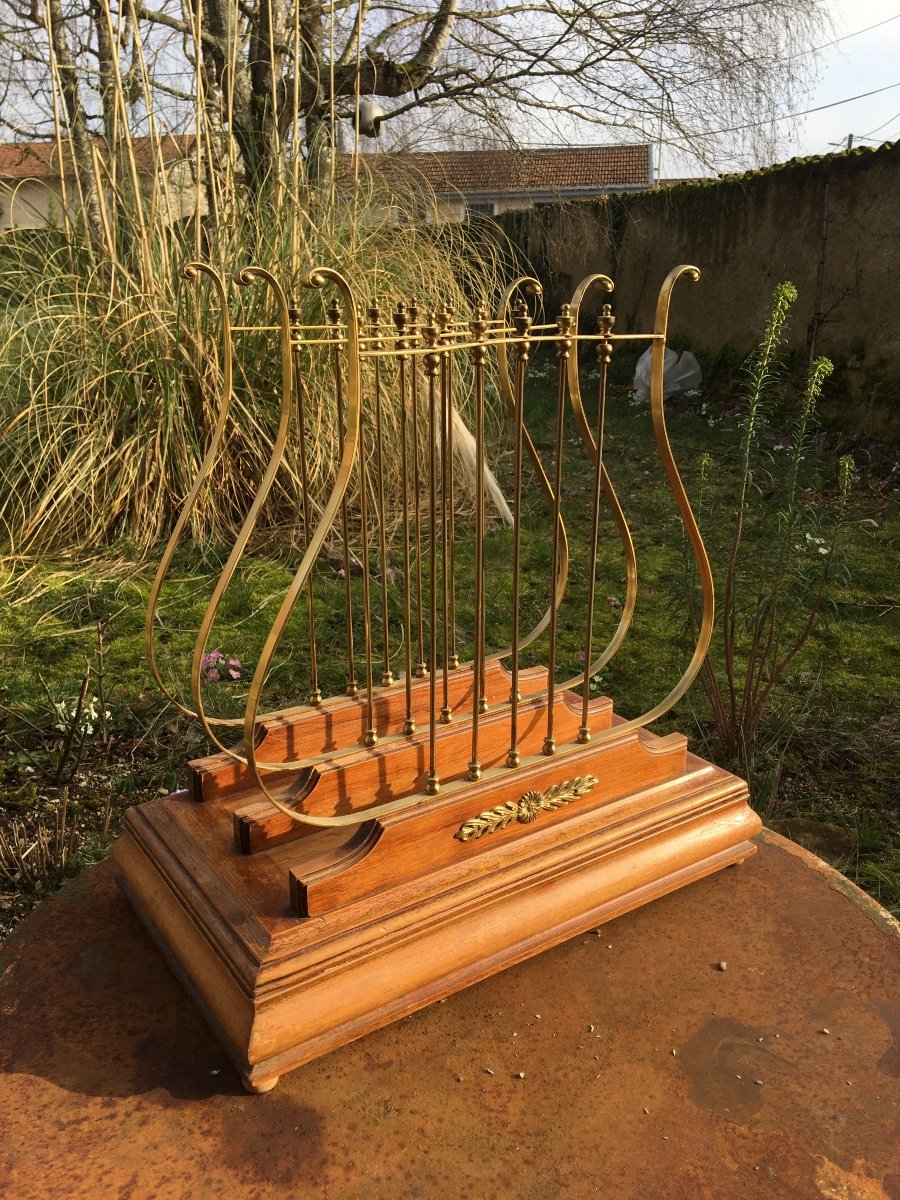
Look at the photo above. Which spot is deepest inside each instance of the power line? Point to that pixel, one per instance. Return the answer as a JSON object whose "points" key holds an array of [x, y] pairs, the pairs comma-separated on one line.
{"points": [[845, 37], [790, 116], [878, 128]]}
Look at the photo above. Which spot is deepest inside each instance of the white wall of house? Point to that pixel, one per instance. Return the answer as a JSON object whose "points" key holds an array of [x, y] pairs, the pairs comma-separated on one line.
{"points": [[514, 205], [456, 209], [35, 203], [30, 203]]}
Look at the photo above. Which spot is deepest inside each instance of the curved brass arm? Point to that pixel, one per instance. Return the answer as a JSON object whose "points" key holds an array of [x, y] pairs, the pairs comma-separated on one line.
{"points": [[245, 277], [534, 287], [677, 487], [315, 278], [192, 271], [607, 485]]}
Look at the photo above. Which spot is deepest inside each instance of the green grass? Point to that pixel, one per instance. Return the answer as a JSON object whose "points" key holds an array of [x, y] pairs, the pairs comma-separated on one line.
{"points": [[833, 722]]}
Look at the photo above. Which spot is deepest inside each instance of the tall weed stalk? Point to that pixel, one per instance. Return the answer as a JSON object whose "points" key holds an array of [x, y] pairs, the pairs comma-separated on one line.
{"points": [[773, 594]]}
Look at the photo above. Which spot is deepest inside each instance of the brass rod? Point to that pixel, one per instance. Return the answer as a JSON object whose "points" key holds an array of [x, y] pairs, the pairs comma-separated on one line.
{"points": [[532, 287], [462, 344], [546, 339], [609, 491], [446, 466], [563, 347], [462, 324], [451, 528], [549, 334], [326, 341], [387, 677], [421, 669], [370, 737], [409, 724], [521, 320], [432, 366], [621, 337], [268, 328], [315, 692], [352, 688], [479, 358], [604, 353]]}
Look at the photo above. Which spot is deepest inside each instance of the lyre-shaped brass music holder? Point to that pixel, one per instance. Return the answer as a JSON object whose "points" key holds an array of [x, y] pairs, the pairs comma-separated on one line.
{"points": [[451, 810]]}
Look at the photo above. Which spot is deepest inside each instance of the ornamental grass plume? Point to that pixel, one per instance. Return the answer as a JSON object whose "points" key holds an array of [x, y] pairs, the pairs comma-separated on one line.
{"points": [[110, 363]]}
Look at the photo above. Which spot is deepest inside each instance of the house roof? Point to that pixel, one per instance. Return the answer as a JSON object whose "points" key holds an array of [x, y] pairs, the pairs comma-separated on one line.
{"points": [[40, 160], [576, 169]]}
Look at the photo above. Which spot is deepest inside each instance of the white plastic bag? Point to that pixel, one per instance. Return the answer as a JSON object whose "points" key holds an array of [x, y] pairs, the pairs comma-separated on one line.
{"points": [[681, 374]]}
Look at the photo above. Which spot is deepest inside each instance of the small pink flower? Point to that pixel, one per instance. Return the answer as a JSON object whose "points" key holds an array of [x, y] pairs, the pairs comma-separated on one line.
{"points": [[216, 667]]}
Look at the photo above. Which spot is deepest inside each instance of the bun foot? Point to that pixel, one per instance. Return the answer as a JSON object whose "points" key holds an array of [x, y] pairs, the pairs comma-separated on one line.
{"points": [[261, 1086]]}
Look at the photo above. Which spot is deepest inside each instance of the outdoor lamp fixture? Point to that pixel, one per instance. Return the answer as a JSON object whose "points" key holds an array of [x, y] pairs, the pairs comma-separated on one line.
{"points": [[368, 117]]}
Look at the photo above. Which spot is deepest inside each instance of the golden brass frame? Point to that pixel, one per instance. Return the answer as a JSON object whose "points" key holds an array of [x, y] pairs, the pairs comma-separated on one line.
{"points": [[427, 349]]}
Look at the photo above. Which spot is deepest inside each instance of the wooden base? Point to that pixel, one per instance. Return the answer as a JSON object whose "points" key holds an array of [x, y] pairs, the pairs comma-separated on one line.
{"points": [[298, 948]]}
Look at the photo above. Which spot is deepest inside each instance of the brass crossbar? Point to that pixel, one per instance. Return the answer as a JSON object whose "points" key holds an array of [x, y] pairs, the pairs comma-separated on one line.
{"points": [[402, 383]]}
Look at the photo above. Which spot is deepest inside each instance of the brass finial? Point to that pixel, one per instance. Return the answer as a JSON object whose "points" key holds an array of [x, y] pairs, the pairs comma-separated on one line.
{"points": [[429, 332], [521, 319], [564, 325], [478, 329], [605, 323]]}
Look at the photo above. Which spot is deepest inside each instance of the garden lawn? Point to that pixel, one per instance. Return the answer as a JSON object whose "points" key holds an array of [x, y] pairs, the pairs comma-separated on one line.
{"points": [[829, 741]]}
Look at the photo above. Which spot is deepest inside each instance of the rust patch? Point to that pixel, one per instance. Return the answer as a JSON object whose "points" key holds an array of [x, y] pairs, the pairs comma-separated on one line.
{"points": [[889, 1062], [838, 882], [278, 1143], [722, 1063], [837, 1184], [114, 1086]]}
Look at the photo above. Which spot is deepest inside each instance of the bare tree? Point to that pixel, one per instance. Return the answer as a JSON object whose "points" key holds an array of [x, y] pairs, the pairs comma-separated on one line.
{"points": [[271, 75]]}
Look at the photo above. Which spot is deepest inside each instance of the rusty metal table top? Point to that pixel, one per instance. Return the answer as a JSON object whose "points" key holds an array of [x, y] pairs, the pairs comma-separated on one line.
{"points": [[621, 1064]]}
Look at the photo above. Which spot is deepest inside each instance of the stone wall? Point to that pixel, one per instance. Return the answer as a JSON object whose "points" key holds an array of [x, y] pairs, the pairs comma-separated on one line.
{"points": [[746, 233]]}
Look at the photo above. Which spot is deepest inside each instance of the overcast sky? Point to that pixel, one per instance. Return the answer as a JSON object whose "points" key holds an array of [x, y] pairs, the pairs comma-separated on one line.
{"points": [[865, 61], [857, 64]]}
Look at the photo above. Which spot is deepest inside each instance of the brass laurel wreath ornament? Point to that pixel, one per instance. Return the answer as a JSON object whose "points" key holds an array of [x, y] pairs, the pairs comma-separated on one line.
{"points": [[526, 809]]}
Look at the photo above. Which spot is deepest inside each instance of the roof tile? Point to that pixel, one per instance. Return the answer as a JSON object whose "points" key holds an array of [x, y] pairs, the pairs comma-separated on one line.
{"points": [[495, 172], [40, 160]]}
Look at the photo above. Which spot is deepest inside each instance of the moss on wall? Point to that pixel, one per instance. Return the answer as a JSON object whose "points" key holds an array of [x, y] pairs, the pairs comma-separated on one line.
{"points": [[747, 233]]}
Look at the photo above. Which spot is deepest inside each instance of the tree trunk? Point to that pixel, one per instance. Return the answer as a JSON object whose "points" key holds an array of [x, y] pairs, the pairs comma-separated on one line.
{"points": [[266, 59], [219, 18], [79, 135]]}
